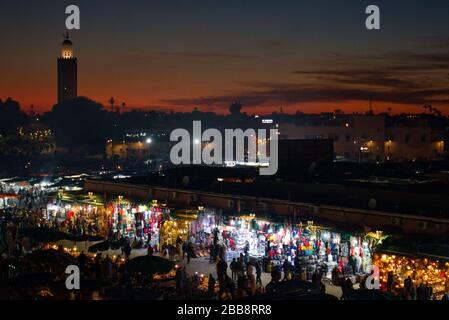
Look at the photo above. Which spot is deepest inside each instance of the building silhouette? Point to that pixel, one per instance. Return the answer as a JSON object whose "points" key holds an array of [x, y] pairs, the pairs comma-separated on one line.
{"points": [[67, 72]]}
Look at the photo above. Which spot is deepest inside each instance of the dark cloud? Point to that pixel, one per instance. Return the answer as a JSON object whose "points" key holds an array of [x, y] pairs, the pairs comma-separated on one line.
{"points": [[378, 78], [293, 94], [398, 77]]}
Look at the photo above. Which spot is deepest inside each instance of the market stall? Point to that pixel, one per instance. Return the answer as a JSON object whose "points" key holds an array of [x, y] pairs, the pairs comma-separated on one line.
{"points": [[7, 200], [142, 222], [423, 263], [77, 212]]}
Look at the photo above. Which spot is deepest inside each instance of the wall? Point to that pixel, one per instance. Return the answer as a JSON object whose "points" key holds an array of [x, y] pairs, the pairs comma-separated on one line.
{"points": [[377, 220]]}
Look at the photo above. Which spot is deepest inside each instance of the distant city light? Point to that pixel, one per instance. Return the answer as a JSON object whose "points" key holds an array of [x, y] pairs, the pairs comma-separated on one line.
{"points": [[149, 141]]}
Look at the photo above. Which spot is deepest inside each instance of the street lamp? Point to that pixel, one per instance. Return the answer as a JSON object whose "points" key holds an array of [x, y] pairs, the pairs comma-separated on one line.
{"points": [[149, 141]]}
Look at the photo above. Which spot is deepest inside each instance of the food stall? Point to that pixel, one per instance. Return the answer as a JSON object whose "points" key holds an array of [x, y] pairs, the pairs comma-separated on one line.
{"points": [[422, 262]]}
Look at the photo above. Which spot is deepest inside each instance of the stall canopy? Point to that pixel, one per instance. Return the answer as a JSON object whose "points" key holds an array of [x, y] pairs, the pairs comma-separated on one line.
{"points": [[81, 198], [46, 235], [186, 214], [260, 215], [8, 196]]}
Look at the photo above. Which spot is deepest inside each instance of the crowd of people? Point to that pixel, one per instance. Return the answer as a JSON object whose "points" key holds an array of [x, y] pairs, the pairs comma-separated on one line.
{"points": [[412, 292], [236, 278]]}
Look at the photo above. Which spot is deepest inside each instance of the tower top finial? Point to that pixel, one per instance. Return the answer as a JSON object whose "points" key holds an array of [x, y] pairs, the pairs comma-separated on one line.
{"points": [[66, 41]]}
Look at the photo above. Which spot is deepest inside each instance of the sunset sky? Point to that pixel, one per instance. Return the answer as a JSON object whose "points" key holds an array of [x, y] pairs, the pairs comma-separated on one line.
{"points": [[310, 56]]}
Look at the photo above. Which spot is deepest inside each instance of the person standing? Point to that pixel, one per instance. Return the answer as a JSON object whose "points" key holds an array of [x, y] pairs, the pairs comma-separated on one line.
{"points": [[286, 268], [420, 292], [219, 267], [234, 269], [108, 266], [428, 292], [179, 244], [242, 265], [211, 285], [82, 258], [127, 251], [238, 267], [189, 252], [246, 250], [216, 251], [211, 254], [150, 251], [251, 280], [259, 273], [178, 278], [184, 250], [390, 282], [315, 277]]}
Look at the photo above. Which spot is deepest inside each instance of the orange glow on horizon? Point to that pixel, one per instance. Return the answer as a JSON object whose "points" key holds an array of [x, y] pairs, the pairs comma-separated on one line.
{"points": [[45, 103]]}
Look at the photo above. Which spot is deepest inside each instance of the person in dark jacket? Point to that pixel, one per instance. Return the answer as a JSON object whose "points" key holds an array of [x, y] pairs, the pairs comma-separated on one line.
{"points": [[390, 282], [211, 285], [211, 254], [234, 269], [428, 293], [127, 251], [420, 292], [190, 252], [286, 267], [258, 272]]}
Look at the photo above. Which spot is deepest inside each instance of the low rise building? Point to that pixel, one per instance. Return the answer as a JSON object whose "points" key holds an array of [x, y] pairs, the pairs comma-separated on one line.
{"points": [[366, 138], [127, 150]]}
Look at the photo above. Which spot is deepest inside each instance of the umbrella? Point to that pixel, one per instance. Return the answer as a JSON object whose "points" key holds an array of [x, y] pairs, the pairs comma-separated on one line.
{"points": [[51, 256], [51, 235], [148, 265], [83, 238], [293, 287], [105, 246], [43, 234]]}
